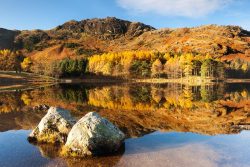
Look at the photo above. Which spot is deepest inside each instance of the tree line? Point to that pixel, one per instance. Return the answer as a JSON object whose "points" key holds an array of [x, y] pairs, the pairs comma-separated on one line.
{"points": [[144, 64], [128, 64]]}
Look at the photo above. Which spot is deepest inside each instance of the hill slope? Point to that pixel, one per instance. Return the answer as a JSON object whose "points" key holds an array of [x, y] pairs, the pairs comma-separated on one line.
{"points": [[91, 36]]}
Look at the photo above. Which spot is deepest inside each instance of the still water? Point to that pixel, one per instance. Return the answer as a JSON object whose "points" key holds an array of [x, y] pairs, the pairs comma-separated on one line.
{"points": [[165, 125]]}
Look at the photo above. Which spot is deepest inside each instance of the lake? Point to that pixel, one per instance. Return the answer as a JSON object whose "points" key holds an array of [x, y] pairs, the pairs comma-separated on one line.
{"points": [[165, 125]]}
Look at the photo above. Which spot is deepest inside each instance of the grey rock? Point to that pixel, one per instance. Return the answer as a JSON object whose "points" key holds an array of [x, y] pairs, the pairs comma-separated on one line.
{"points": [[93, 135], [54, 126]]}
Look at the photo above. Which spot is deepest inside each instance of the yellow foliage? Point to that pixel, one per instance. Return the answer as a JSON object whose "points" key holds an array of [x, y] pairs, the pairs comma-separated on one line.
{"points": [[26, 99], [244, 67], [119, 63], [208, 56], [244, 94], [26, 64]]}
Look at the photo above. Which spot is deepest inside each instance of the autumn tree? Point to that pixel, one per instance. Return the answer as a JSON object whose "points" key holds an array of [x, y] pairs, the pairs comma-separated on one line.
{"points": [[10, 61], [157, 68], [154, 64], [245, 67], [26, 64]]}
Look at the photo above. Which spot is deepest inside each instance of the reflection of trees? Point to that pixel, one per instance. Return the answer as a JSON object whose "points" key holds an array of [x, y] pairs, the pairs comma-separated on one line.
{"points": [[140, 94], [129, 97], [10, 102], [152, 97], [211, 93], [136, 109], [75, 94], [239, 95]]}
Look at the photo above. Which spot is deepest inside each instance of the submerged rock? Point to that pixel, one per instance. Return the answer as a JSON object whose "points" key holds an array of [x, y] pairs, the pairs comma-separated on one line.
{"points": [[41, 107], [93, 135], [54, 126]]}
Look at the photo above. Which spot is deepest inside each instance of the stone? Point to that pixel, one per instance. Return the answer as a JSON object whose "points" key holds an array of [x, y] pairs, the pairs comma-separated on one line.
{"points": [[93, 135], [54, 127], [41, 107]]}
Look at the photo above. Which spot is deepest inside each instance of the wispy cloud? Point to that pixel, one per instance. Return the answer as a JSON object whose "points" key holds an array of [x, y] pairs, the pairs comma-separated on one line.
{"points": [[185, 8]]}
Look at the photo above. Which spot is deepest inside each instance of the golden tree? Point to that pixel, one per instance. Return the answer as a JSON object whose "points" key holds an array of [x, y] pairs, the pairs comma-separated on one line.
{"points": [[157, 68], [26, 64]]}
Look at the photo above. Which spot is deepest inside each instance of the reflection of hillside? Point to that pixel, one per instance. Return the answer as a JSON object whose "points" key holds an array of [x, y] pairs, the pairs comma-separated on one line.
{"points": [[136, 109], [20, 120], [10, 102]]}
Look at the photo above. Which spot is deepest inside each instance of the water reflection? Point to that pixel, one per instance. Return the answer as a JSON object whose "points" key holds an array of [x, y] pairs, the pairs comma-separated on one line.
{"points": [[137, 109], [125, 97], [155, 113], [155, 149], [53, 151]]}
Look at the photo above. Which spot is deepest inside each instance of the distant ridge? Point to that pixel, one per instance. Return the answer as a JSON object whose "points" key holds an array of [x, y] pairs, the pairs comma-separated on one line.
{"points": [[112, 34]]}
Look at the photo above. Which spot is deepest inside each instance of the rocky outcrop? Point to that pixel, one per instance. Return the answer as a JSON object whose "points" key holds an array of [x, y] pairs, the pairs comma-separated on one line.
{"points": [[93, 135], [7, 38], [54, 126], [32, 40], [109, 27]]}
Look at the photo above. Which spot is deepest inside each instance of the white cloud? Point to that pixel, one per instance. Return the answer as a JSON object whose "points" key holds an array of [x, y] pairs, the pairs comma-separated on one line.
{"points": [[186, 8]]}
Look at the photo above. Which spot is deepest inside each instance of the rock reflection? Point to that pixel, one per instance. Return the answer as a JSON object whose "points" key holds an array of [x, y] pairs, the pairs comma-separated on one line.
{"points": [[48, 150], [53, 151]]}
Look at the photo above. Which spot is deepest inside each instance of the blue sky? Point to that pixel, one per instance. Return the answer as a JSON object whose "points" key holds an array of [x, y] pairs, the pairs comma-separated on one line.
{"points": [[46, 14]]}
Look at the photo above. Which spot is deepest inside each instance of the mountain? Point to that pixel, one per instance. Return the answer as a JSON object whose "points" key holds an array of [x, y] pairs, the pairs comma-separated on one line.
{"points": [[91, 36], [7, 38]]}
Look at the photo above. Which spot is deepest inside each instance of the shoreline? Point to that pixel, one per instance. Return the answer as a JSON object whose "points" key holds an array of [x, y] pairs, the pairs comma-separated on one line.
{"points": [[152, 81], [12, 80]]}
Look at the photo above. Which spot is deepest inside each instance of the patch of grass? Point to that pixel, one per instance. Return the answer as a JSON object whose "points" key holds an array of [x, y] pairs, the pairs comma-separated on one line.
{"points": [[67, 152]]}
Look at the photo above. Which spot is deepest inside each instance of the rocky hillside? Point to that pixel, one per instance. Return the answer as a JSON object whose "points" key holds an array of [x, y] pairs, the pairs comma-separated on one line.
{"points": [[7, 38], [91, 36]]}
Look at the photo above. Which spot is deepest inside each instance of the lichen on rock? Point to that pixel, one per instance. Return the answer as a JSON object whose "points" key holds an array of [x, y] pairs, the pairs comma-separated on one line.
{"points": [[93, 135], [54, 127]]}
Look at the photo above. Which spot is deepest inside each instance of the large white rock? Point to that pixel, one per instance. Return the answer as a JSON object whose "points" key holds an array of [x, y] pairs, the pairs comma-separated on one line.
{"points": [[93, 135], [54, 126]]}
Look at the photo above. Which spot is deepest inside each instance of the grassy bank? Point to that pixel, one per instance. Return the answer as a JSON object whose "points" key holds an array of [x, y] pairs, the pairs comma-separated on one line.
{"points": [[188, 80], [13, 80]]}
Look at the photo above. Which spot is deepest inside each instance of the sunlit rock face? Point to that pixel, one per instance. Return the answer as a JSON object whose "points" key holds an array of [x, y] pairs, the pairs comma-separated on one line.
{"points": [[54, 126], [93, 135]]}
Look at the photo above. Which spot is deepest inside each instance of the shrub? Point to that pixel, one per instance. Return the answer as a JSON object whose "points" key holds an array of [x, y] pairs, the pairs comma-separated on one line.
{"points": [[10, 61], [141, 68], [70, 67], [71, 45]]}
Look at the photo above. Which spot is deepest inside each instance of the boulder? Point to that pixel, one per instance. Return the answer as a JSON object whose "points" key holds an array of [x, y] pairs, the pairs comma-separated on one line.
{"points": [[54, 127], [93, 135]]}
